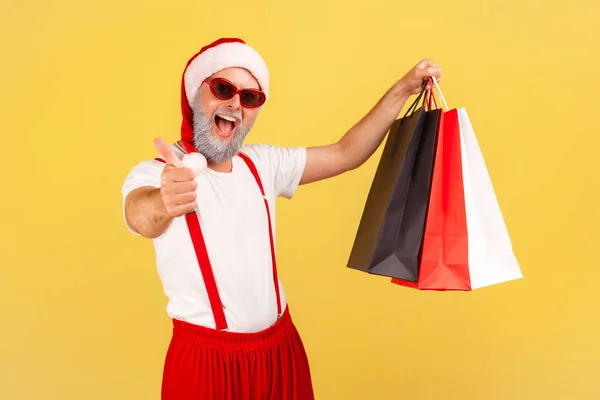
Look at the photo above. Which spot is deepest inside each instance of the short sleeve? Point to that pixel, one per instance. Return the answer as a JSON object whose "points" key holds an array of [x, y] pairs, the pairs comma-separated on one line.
{"points": [[146, 173], [284, 165]]}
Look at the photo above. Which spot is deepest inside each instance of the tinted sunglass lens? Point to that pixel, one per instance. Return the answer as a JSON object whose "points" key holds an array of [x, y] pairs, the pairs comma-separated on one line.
{"points": [[223, 90], [251, 99]]}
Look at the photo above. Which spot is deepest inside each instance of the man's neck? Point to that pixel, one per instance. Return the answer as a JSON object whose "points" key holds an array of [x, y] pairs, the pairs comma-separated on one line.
{"points": [[225, 166]]}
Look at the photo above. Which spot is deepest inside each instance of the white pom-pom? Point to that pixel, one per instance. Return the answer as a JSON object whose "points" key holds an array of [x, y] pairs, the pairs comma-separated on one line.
{"points": [[194, 161]]}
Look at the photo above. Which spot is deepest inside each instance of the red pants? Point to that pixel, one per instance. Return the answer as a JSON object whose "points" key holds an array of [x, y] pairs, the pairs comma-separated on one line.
{"points": [[203, 363]]}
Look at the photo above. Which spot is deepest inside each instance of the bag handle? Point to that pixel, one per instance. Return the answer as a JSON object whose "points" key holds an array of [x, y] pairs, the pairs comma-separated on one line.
{"points": [[440, 92], [413, 106], [429, 96]]}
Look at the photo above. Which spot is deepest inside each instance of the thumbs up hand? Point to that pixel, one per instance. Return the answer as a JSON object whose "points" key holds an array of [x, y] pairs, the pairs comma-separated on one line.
{"points": [[178, 185]]}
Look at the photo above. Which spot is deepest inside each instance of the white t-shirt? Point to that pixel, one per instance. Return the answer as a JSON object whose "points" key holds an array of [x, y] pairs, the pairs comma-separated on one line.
{"points": [[234, 224]]}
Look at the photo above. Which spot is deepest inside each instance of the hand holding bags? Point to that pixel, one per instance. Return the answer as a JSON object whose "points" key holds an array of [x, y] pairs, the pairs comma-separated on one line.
{"points": [[464, 243]]}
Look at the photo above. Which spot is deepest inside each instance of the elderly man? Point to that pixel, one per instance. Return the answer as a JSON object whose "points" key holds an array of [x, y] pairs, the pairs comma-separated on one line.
{"points": [[213, 227]]}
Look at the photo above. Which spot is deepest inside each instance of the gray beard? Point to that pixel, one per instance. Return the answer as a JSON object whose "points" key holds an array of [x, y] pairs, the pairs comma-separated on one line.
{"points": [[214, 149]]}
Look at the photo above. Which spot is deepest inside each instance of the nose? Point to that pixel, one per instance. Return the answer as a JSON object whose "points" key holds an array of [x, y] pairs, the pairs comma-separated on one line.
{"points": [[234, 103]]}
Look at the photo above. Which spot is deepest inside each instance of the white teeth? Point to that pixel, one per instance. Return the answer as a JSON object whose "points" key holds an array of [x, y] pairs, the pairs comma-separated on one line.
{"points": [[226, 117]]}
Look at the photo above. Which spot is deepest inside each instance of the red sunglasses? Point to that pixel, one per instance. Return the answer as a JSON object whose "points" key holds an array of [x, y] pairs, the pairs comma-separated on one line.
{"points": [[223, 89]]}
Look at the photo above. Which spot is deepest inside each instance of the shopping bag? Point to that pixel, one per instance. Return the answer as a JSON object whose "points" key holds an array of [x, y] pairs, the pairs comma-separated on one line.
{"points": [[491, 256], [444, 258], [388, 240], [466, 243]]}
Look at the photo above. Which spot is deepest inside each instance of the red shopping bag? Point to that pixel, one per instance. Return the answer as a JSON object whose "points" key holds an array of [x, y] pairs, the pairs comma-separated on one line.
{"points": [[444, 261]]}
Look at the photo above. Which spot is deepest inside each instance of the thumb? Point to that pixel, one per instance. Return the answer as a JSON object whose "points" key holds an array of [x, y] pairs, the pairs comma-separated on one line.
{"points": [[164, 149]]}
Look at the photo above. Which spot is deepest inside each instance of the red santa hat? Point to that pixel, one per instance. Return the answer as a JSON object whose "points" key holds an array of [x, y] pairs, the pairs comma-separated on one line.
{"points": [[220, 54]]}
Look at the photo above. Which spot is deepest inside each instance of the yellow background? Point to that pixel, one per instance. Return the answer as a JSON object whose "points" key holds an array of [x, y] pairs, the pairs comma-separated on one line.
{"points": [[86, 86]]}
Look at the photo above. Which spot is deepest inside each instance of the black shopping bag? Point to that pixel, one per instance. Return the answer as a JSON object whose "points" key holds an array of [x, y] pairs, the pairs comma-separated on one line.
{"points": [[390, 232]]}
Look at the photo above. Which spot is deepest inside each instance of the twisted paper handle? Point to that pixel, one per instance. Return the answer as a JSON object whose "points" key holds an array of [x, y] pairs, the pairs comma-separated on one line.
{"points": [[440, 92]]}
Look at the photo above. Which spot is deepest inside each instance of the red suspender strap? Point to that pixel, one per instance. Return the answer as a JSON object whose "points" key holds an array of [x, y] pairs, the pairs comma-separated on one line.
{"points": [[252, 168], [205, 268]]}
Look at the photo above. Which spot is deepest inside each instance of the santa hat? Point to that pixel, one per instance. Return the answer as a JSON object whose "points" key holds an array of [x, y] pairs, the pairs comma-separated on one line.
{"points": [[220, 54]]}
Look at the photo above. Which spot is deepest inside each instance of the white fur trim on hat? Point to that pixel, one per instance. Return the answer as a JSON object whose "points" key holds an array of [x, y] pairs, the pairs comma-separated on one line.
{"points": [[225, 55]]}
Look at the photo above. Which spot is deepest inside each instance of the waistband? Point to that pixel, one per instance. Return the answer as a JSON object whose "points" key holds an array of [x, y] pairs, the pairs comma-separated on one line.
{"points": [[204, 337]]}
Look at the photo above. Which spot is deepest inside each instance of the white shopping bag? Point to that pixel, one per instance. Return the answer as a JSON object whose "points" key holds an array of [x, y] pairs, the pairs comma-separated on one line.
{"points": [[491, 256]]}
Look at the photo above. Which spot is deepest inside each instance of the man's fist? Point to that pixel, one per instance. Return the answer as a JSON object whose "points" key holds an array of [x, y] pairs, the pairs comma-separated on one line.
{"points": [[178, 187], [412, 82]]}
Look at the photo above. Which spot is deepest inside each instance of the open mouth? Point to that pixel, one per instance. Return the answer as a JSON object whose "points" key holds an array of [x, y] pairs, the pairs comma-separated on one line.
{"points": [[226, 125]]}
